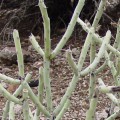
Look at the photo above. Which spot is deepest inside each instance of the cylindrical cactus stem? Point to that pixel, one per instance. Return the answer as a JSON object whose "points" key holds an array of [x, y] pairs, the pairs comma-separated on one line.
{"points": [[97, 37], [64, 109], [41, 85], [46, 57], [5, 110], [100, 54], [71, 61], [115, 45], [46, 23], [117, 38], [25, 105], [90, 115], [11, 111], [36, 101], [110, 89], [9, 79], [92, 75], [75, 78], [110, 64], [99, 13], [40, 92], [101, 68], [35, 45], [9, 96], [46, 73], [85, 49], [31, 115], [19, 89], [16, 93], [113, 116], [69, 28], [110, 95], [92, 84], [20, 59]]}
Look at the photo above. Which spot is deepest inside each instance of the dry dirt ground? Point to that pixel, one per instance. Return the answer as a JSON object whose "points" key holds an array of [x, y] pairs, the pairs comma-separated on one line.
{"points": [[61, 75]]}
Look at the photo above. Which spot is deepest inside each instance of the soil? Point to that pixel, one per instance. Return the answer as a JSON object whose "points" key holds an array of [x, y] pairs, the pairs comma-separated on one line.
{"points": [[61, 75]]}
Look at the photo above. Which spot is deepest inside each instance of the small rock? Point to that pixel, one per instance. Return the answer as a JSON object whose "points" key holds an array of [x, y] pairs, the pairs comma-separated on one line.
{"points": [[30, 48], [75, 52], [18, 109], [6, 70], [37, 64], [101, 115], [8, 56]]}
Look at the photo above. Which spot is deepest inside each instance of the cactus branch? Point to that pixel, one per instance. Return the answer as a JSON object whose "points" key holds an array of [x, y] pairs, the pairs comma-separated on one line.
{"points": [[11, 111], [9, 96], [46, 57], [97, 38], [9, 79], [69, 28], [36, 45], [35, 100], [40, 92], [90, 115], [64, 109], [99, 13], [19, 53], [75, 78], [113, 116], [71, 62], [25, 105], [98, 56], [110, 95], [5, 110]]}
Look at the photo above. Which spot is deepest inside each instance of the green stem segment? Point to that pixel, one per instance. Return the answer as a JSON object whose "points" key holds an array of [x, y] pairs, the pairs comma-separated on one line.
{"points": [[99, 13], [5, 110], [113, 116], [46, 57], [71, 62], [70, 28], [7, 95], [25, 105], [97, 37], [36, 101], [9, 79], [20, 59], [110, 95], [100, 54], [36, 45], [90, 115], [75, 78], [64, 109], [40, 92]]}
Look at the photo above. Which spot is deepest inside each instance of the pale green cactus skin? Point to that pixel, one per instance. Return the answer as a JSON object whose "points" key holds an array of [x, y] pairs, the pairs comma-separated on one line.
{"points": [[106, 52]]}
